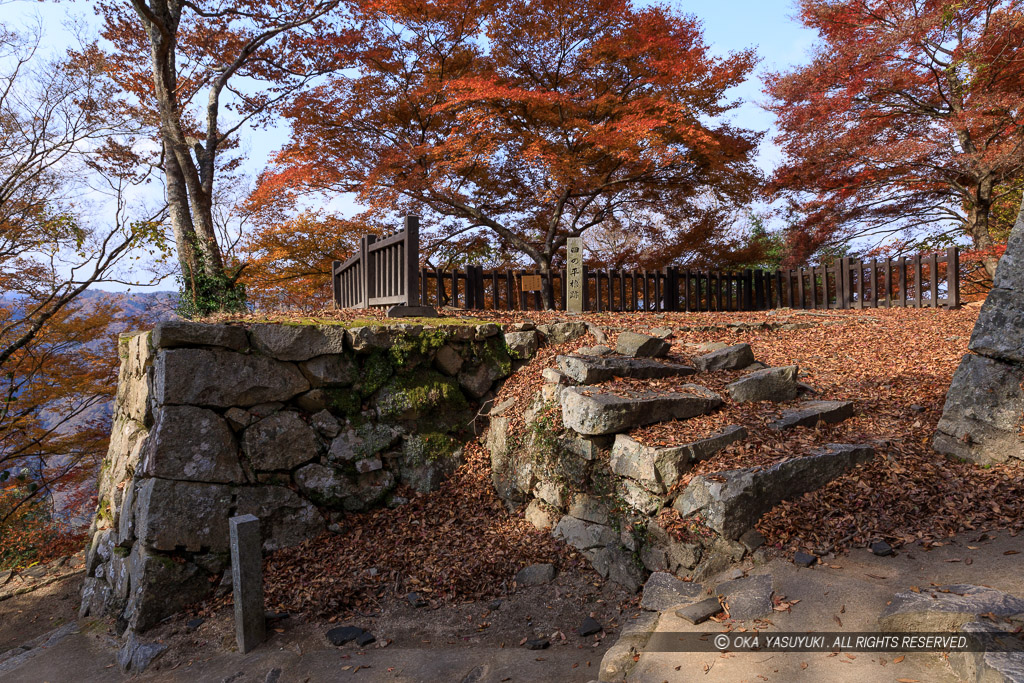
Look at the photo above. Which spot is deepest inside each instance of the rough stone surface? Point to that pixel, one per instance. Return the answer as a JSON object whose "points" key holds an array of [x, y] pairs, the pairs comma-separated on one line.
{"points": [[749, 597], [171, 514], [638, 345], [448, 360], [771, 384], [729, 358], [699, 612], [812, 413], [947, 608], [731, 502], [326, 486], [617, 566], [192, 444], [135, 656], [802, 559], [282, 441], [664, 591], [521, 345], [297, 342], [541, 515], [597, 412], [659, 469], [368, 339], [999, 331], [984, 412], [590, 509], [222, 379], [584, 535], [412, 312], [329, 371], [343, 634], [618, 659], [285, 518], [535, 575], [560, 333], [594, 370], [171, 333], [589, 627]]}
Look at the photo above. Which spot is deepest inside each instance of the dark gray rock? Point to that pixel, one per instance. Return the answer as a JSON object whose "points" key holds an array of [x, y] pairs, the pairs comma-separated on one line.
{"points": [[222, 379], [752, 540], [639, 345], [596, 350], [326, 486], [999, 331], [594, 370], [448, 360], [191, 444], [699, 612], [771, 384], [538, 644], [802, 559], [590, 509], [730, 358], [998, 667], [731, 502], [618, 566], [589, 627], [984, 412], [412, 312], [947, 608], [811, 413], [282, 441], [371, 338], [749, 597], [881, 548], [286, 519], [297, 342], [664, 591], [344, 634], [326, 424], [173, 333], [169, 514], [415, 600], [365, 638], [535, 575], [593, 412], [135, 656]]}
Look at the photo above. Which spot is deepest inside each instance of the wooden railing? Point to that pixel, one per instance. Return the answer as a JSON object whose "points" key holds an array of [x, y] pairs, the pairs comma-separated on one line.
{"points": [[383, 272]]}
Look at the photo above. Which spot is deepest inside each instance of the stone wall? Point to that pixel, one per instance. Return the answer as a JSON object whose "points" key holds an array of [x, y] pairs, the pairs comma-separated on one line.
{"points": [[296, 424], [983, 417]]}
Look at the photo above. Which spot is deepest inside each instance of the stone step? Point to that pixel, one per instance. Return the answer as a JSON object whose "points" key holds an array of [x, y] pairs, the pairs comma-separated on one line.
{"points": [[593, 411], [594, 370], [659, 469], [731, 502], [811, 413]]}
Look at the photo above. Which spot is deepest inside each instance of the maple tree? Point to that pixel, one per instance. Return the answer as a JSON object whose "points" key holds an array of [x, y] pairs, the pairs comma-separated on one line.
{"points": [[908, 117], [531, 121], [200, 71], [62, 135]]}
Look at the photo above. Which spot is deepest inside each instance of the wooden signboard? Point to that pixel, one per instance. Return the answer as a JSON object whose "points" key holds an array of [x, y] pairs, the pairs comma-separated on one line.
{"points": [[532, 283], [574, 271]]}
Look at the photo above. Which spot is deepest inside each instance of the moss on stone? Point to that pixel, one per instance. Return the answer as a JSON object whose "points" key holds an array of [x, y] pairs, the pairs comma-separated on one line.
{"points": [[377, 369], [344, 402], [420, 393], [430, 447]]}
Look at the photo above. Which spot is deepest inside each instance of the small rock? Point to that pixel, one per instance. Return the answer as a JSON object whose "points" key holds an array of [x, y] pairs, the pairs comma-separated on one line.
{"points": [[802, 559], [415, 600], [193, 624], [728, 358], [641, 345], [699, 612], [493, 605], [662, 332], [538, 644], [535, 575], [589, 627], [752, 540], [881, 548], [771, 384], [271, 615], [365, 638], [273, 676], [344, 634], [917, 409]]}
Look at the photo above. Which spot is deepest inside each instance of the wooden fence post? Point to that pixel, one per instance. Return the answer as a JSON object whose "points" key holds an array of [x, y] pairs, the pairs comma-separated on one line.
{"points": [[952, 278]]}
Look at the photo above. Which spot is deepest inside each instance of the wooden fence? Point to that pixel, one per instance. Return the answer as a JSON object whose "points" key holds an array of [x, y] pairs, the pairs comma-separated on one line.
{"points": [[917, 282], [382, 273]]}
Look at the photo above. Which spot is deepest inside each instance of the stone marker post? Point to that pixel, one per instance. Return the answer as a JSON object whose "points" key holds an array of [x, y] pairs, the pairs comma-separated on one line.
{"points": [[574, 275], [247, 566]]}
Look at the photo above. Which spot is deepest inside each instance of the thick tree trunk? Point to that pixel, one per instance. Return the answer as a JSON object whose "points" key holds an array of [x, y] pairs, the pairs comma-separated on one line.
{"points": [[978, 227], [548, 290]]}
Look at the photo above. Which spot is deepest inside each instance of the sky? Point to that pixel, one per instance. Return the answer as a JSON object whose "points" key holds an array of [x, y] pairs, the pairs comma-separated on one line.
{"points": [[769, 26]]}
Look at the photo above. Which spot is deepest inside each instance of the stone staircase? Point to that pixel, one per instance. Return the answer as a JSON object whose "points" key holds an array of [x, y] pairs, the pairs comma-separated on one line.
{"points": [[602, 491]]}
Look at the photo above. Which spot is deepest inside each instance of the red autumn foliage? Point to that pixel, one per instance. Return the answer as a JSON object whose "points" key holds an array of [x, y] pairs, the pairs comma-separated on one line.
{"points": [[908, 117]]}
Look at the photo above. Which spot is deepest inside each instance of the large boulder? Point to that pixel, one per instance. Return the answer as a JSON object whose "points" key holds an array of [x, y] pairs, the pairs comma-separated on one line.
{"points": [[731, 502], [639, 345], [192, 444], [329, 371], [594, 412], [594, 370], [560, 333], [297, 342], [947, 608], [663, 591], [770, 384], [286, 519], [521, 345], [584, 535], [221, 379], [190, 515], [984, 412], [733, 357], [326, 486], [282, 441]]}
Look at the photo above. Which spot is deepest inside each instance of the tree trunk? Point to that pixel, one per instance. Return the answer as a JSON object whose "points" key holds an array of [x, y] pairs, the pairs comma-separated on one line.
{"points": [[548, 289], [978, 227]]}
